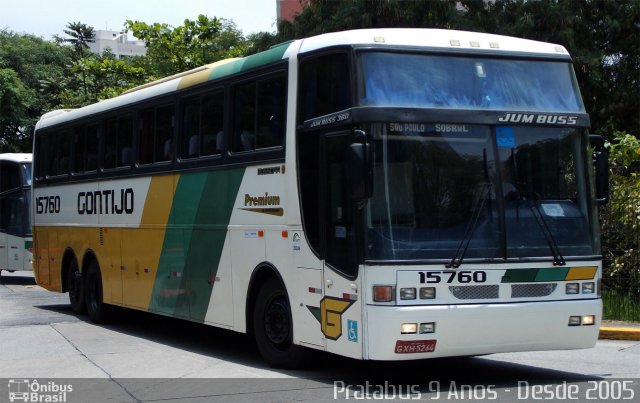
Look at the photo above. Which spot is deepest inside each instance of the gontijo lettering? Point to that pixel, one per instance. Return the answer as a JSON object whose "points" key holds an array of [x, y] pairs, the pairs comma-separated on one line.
{"points": [[106, 202]]}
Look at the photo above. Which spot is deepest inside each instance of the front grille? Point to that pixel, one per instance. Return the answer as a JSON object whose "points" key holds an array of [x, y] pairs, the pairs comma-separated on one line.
{"points": [[475, 291], [532, 290]]}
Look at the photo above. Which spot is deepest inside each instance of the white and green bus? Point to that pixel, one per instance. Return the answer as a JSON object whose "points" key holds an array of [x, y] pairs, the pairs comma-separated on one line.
{"points": [[387, 194], [15, 215]]}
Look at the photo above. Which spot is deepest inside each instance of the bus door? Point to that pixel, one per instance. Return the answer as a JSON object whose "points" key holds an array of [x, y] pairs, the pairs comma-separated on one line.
{"points": [[19, 224], [341, 307]]}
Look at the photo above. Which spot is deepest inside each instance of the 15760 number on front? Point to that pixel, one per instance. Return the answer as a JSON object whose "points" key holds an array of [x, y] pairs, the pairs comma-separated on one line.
{"points": [[453, 276]]}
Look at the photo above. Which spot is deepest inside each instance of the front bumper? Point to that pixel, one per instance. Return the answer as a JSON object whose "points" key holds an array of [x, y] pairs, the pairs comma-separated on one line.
{"points": [[478, 329]]}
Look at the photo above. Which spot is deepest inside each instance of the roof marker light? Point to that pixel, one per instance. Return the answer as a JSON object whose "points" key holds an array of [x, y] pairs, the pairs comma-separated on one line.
{"points": [[494, 45], [454, 42], [474, 44], [379, 39]]}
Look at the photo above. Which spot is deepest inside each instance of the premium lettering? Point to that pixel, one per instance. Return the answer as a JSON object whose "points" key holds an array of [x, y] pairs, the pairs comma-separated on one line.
{"points": [[265, 200]]}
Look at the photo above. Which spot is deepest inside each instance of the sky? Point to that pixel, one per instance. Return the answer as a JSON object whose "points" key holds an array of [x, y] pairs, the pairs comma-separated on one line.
{"points": [[46, 18]]}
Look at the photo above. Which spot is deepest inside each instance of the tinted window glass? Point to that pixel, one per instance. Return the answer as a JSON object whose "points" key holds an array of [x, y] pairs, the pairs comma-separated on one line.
{"points": [[259, 114], [324, 86], [124, 153]]}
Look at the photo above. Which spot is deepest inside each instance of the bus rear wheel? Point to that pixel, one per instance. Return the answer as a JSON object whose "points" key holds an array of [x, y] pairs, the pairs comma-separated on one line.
{"points": [[273, 327], [75, 288], [97, 310]]}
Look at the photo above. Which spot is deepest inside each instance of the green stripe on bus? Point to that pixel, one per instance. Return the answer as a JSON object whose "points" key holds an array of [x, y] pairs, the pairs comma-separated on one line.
{"points": [[246, 63], [535, 275], [199, 218], [554, 274], [520, 276]]}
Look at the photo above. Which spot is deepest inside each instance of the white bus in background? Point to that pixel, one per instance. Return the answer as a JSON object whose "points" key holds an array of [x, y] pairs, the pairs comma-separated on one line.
{"points": [[15, 216], [387, 194]]}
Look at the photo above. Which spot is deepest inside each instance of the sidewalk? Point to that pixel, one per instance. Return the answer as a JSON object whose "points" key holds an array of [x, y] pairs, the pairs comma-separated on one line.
{"points": [[616, 330]]}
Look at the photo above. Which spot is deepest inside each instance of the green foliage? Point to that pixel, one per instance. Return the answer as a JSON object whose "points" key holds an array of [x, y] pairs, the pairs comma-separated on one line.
{"points": [[174, 50], [81, 34], [621, 218], [15, 99], [26, 61]]}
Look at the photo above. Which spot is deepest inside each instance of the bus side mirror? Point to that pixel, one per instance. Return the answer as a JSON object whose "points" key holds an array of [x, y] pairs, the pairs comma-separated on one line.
{"points": [[360, 168], [601, 167]]}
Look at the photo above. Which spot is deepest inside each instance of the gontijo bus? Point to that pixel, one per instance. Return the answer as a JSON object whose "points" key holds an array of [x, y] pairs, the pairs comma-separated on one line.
{"points": [[15, 215], [380, 194]]}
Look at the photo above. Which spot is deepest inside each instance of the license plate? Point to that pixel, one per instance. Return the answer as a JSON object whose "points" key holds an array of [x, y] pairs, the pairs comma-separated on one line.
{"points": [[415, 346]]}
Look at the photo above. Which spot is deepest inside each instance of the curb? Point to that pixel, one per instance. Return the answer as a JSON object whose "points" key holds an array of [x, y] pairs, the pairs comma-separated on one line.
{"points": [[619, 333]]}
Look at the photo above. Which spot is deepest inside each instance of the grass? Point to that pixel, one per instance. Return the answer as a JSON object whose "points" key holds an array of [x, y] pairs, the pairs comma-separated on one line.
{"points": [[621, 306]]}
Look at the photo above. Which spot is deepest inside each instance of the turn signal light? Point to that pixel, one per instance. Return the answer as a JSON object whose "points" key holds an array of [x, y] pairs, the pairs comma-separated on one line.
{"points": [[382, 293]]}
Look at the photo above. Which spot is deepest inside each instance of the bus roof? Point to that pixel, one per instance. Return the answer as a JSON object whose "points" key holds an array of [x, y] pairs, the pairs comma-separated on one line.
{"points": [[16, 157], [411, 37], [431, 38]]}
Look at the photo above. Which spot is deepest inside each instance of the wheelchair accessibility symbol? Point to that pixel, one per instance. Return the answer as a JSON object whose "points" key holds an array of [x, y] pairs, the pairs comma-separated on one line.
{"points": [[352, 325]]}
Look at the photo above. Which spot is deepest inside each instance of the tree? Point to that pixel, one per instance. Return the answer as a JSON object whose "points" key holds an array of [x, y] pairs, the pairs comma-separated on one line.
{"points": [[81, 35], [15, 100], [173, 50], [26, 62]]}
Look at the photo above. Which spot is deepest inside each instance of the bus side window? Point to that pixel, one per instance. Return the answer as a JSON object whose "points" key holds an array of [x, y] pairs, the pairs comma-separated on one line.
{"points": [[125, 141], [211, 120], [92, 147], [259, 114], [324, 86], [9, 177], [145, 137], [79, 148], [190, 131], [110, 144], [164, 134], [244, 117], [271, 107], [59, 163]]}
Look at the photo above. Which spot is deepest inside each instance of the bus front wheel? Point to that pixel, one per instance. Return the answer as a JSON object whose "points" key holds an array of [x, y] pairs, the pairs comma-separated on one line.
{"points": [[75, 288], [273, 327], [97, 310]]}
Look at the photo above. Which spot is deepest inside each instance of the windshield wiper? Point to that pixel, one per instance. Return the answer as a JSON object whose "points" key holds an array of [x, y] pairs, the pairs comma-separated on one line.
{"points": [[472, 224], [558, 259]]}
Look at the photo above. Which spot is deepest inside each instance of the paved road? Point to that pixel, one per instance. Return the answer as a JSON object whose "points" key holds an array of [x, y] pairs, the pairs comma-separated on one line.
{"points": [[147, 357]]}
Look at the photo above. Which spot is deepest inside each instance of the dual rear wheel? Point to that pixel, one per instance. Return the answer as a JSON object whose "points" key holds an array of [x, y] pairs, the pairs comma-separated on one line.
{"points": [[85, 292]]}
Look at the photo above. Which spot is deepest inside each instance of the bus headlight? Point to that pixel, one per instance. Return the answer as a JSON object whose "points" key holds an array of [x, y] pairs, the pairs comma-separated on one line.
{"points": [[588, 320], [573, 288], [588, 288], [429, 327], [409, 328], [407, 293], [427, 292], [574, 320]]}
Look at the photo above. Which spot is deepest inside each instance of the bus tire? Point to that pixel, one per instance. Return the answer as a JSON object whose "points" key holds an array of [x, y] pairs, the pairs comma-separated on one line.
{"points": [[273, 327], [75, 288], [97, 310]]}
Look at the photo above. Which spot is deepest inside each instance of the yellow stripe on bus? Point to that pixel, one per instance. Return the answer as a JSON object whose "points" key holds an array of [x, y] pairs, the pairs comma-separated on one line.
{"points": [[581, 273]]}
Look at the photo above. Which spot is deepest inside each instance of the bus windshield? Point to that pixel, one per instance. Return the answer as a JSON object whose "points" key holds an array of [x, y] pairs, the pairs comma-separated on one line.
{"points": [[439, 185], [432, 81]]}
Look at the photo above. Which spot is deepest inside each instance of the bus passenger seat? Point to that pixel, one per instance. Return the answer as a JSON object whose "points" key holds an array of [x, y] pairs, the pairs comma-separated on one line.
{"points": [[194, 146]]}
